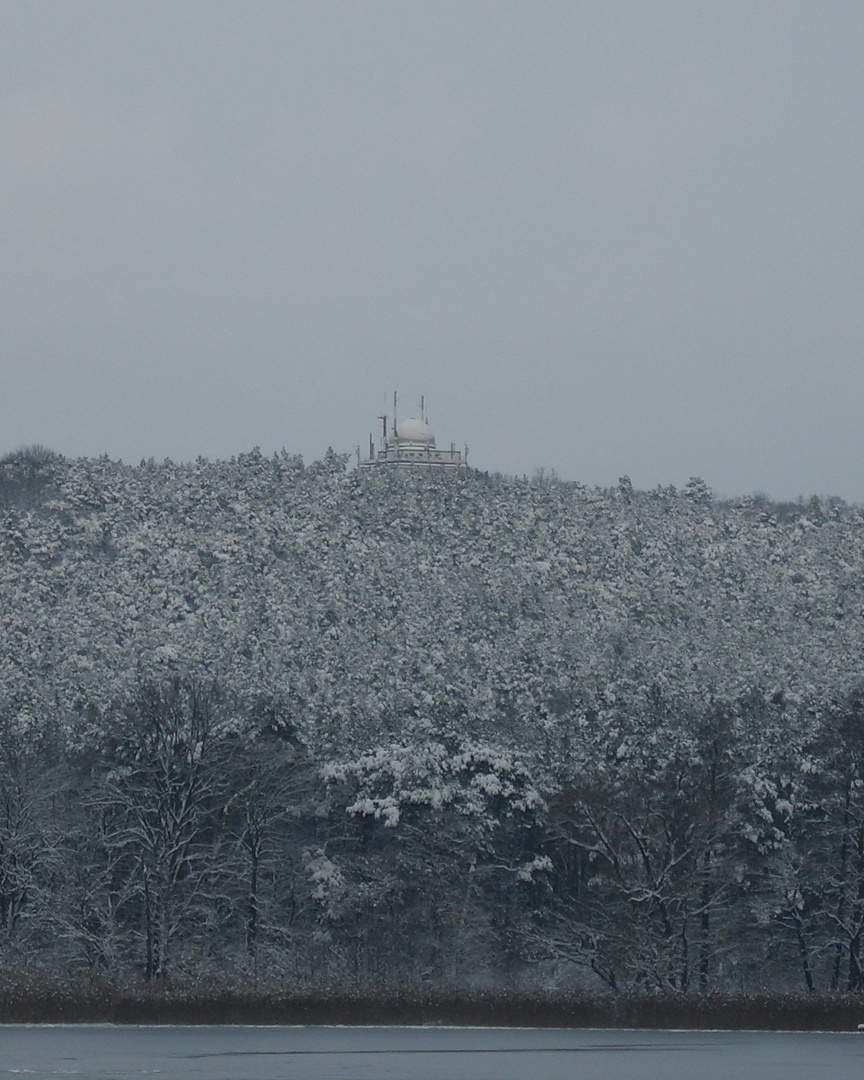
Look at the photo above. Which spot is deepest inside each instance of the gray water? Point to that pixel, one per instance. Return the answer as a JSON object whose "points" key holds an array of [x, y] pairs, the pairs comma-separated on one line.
{"points": [[320, 1053]]}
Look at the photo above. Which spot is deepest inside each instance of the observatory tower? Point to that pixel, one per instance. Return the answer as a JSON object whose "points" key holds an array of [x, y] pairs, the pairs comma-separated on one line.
{"points": [[411, 444]]}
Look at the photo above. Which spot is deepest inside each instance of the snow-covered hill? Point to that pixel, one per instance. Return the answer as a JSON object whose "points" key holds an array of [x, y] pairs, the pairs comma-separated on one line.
{"points": [[385, 726], [363, 602]]}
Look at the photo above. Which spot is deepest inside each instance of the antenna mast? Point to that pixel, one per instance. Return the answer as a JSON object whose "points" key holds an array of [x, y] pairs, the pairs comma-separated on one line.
{"points": [[395, 428]]}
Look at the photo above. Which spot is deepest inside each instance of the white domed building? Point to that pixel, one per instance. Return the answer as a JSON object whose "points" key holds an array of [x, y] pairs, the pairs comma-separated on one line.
{"points": [[411, 443]]}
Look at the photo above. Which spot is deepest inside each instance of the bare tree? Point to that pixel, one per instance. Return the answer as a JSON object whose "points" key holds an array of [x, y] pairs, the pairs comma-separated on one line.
{"points": [[162, 799]]}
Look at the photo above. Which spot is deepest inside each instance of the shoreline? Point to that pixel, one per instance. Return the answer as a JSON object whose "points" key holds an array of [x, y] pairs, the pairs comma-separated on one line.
{"points": [[183, 1006]]}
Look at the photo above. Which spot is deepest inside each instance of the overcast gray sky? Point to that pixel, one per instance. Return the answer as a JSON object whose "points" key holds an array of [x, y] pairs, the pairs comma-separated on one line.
{"points": [[600, 237]]}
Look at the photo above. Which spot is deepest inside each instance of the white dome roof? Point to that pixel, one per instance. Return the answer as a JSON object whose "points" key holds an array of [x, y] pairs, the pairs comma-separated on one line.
{"points": [[414, 431]]}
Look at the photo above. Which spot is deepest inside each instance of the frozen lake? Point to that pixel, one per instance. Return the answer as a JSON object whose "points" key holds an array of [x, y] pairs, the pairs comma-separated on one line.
{"points": [[306, 1053]]}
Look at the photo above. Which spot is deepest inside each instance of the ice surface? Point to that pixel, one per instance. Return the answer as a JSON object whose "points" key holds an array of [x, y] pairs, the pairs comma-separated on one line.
{"points": [[265, 1053]]}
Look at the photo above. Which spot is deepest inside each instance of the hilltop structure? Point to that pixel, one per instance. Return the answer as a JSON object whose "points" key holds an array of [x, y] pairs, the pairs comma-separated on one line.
{"points": [[411, 443]]}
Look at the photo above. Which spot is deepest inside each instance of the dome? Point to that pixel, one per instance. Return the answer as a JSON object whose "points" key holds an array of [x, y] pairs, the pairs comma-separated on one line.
{"points": [[415, 431]]}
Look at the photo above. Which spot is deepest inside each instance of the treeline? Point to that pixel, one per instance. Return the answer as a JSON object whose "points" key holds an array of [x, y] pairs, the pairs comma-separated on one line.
{"points": [[307, 728], [367, 602], [185, 835]]}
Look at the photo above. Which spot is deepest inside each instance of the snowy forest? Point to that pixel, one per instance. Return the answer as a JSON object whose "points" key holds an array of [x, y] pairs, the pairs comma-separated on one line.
{"points": [[312, 726]]}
